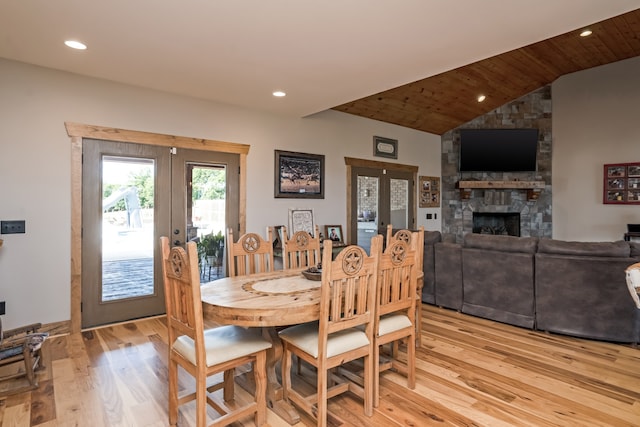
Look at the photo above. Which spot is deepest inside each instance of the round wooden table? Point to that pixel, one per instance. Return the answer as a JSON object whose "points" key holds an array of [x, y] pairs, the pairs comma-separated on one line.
{"points": [[267, 300]]}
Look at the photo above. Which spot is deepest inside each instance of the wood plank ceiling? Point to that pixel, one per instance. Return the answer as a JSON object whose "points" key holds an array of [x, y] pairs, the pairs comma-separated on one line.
{"points": [[448, 100]]}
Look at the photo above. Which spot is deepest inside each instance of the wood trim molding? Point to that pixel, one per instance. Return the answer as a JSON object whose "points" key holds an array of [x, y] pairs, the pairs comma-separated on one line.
{"points": [[77, 132], [139, 137], [375, 164]]}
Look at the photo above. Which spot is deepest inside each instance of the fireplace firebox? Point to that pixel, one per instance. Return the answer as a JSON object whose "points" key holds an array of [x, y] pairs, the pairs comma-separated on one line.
{"points": [[503, 223]]}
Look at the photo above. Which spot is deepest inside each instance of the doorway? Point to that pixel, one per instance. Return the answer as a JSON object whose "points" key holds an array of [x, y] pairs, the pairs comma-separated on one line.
{"points": [[380, 193], [132, 194]]}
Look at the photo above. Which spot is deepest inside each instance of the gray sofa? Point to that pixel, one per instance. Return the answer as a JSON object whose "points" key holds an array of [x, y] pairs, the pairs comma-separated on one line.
{"points": [[581, 290], [572, 288], [498, 278]]}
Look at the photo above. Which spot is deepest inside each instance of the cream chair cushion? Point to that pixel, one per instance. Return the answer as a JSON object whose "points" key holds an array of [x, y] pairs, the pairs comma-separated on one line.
{"points": [[393, 322], [305, 336], [223, 344]]}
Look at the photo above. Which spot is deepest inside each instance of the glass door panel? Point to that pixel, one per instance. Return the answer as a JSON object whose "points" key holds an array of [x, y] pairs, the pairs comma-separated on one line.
{"points": [[206, 216], [399, 203], [128, 192], [368, 194]]}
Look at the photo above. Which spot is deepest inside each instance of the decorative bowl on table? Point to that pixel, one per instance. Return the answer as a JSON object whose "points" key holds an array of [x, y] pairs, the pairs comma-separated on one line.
{"points": [[312, 273]]}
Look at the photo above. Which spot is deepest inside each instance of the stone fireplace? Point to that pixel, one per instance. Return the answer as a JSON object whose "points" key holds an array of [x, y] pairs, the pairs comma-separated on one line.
{"points": [[459, 212]]}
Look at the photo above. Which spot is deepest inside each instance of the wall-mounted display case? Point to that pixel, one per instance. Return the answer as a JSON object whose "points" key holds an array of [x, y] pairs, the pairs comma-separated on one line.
{"points": [[621, 184]]}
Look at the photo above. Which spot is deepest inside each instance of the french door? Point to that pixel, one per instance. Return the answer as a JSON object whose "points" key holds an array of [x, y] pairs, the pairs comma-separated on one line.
{"points": [[379, 197], [133, 194]]}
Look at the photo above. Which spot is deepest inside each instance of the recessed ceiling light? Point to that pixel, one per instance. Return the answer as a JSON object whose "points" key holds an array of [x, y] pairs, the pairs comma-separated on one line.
{"points": [[586, 33], [75, 44], [481, 98], [279, 93]]}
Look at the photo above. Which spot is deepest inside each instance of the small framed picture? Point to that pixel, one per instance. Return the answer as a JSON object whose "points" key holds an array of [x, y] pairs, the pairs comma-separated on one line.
{"points": [[616, 171], [429, 192], [615, 183], [385, 147], [334, 233]]}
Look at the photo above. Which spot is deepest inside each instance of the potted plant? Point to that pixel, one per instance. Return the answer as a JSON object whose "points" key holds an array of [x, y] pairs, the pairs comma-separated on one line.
{"points": [[211, 248]]}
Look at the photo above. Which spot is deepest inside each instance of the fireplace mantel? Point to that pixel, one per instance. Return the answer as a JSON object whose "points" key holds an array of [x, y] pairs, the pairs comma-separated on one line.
{"points": [[523, 185], [533, 187]]}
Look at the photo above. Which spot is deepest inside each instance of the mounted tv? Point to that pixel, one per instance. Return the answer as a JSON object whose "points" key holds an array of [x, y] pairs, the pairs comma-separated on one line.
{"points": [[498, 150]]}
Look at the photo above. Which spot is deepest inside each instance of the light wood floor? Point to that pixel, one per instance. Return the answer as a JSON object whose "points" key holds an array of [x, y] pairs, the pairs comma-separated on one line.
{"points": [[471, 372]]}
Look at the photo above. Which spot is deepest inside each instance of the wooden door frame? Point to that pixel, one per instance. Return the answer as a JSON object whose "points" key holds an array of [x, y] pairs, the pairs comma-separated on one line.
{"points": [[374, 164], [77, 132]]}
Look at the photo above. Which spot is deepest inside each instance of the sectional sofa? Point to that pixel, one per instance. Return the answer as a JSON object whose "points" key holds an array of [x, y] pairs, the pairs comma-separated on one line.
{"points": [[571, 288]]}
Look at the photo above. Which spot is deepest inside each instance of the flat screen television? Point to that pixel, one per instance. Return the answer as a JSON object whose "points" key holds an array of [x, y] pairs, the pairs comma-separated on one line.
{"points": [[498, 150]]}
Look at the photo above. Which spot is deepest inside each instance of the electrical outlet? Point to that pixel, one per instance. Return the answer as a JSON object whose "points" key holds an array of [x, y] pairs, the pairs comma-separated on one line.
{"points": [[12, 227]]}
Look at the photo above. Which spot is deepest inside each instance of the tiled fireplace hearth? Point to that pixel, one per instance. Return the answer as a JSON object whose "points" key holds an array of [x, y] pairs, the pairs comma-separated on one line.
{"points": [[530, 111]]}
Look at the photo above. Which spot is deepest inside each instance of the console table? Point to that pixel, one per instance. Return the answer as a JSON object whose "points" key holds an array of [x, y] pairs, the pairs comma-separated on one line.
{"points": [[631, 234]]}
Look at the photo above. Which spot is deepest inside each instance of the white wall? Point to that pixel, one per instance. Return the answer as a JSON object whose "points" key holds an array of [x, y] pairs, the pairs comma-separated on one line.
{"points": [[35, 166], [596, 120]]}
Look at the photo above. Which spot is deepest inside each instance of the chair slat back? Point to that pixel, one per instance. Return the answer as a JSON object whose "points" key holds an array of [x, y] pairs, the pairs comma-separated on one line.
{"points": [[301, 250], [182, 294], [633, 282], [348, 288], [250, 254], [397, 281], [406, 236]]}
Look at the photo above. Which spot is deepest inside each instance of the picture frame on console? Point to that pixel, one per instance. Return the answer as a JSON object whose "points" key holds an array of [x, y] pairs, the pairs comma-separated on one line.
{"points": [[334, 233]]}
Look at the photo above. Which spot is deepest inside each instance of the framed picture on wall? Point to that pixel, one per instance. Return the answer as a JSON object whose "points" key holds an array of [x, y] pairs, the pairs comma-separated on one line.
{"points": [[429, 192], [621, 184], [298, 175]]}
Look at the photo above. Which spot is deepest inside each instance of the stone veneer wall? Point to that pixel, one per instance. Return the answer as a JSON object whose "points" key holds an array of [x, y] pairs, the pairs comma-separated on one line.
{"points": [[530, 111]]}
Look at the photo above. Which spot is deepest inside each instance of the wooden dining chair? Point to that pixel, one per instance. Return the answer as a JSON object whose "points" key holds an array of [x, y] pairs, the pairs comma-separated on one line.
{"points": [[250, 254], [633, 282], [405, 235], [396, 311], [343, 333], [301, 250], [204, 353], [21, 356]]}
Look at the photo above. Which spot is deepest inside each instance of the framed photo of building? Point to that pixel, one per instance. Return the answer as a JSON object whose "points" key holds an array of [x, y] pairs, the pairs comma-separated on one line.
{"points": [[298, 175]]}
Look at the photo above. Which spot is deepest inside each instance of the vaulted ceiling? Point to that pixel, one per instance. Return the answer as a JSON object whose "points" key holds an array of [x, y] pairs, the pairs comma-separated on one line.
{"points": [[447, 100], [415, 63]]}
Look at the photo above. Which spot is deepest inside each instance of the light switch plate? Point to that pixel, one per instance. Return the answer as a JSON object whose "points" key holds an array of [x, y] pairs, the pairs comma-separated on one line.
{"points": [[12, 227]]}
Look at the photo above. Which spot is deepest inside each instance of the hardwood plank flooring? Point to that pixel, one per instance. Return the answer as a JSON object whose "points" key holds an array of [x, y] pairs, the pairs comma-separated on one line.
{"points": [[470, 372]]}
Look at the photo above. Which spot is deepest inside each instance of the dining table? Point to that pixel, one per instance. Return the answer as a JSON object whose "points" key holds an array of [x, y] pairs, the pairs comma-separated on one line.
{"points": [[269, 301]]}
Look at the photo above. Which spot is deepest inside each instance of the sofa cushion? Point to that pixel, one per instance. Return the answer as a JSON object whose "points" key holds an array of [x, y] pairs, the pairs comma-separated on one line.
{"points": [[501, 243], [635, 249], [619, 249], [432, 237]]}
